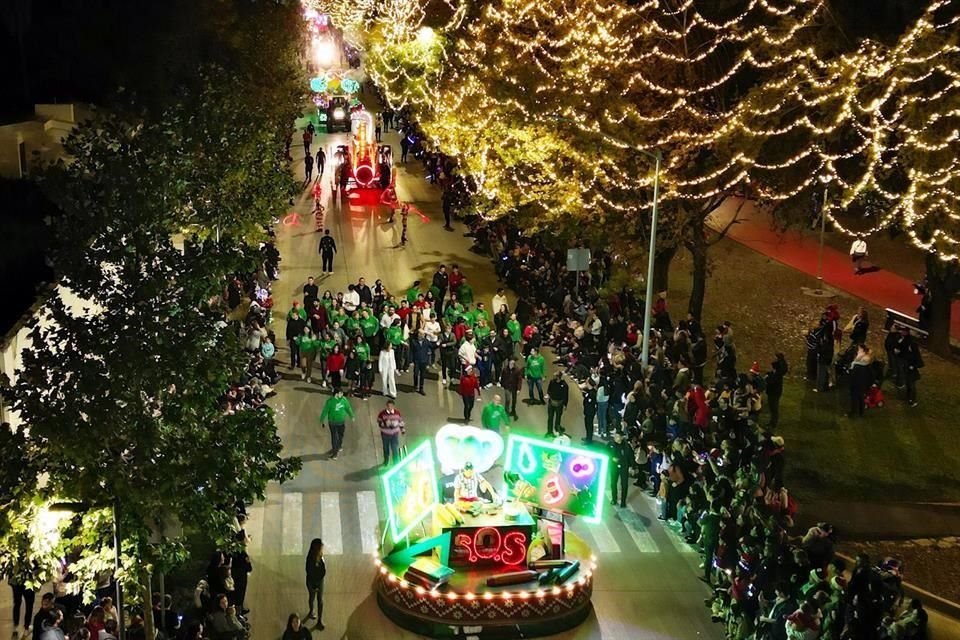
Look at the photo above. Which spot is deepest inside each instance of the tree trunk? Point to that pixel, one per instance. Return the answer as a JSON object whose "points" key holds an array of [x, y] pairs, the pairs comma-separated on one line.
{"points": [[146, 588], [698, 251], [661, 268], [942, 278]]}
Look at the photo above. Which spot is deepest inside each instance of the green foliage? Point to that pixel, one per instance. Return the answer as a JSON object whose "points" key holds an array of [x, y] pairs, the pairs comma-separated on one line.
{"points": [[122, 393]]}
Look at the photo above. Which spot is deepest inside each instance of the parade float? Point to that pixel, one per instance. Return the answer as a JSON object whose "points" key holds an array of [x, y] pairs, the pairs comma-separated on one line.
{"points": [[463, 557]]}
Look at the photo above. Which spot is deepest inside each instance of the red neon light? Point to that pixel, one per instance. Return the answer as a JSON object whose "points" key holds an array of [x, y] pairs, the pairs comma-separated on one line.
{"points": [[510, 549], [292, 219], [553, 492]]}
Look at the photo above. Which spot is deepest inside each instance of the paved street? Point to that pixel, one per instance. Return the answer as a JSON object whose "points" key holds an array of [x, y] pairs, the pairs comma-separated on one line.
{"points": [[646, 585]]}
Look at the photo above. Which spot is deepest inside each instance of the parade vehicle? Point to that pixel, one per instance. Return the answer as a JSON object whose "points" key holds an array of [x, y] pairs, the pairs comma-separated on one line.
{"points": [[463, 557]]}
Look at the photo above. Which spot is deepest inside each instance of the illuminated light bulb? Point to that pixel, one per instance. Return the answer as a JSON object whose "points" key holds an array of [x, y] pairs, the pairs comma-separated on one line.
{"points": [[383, 570], [451, 596], [420, 590], [392, 578], [404, 584], [470, 595], [555, 591], [506, 595], [540, 593], [488, 596], [524, 595]]}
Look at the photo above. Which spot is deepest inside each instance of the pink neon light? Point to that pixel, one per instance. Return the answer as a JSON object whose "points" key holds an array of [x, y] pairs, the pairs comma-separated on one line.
{"points": [[582, 466], [553, 492], [510, 549]]}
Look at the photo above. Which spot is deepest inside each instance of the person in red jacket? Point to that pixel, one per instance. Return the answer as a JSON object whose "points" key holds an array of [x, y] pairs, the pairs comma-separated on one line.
{"points": [[335, 364], [697, 407], [456, 279], [469, 390]]}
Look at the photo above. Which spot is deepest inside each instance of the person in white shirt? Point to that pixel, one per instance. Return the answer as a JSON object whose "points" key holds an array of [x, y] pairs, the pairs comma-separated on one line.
{"points": [[468, 353], [388, 370], [498, 300], [858, 252], [431, 330], [351, 299], [386, 320]]}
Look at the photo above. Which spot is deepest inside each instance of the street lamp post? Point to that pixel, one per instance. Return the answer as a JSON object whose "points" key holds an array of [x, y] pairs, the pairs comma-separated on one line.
{"points": [[648, 301]]}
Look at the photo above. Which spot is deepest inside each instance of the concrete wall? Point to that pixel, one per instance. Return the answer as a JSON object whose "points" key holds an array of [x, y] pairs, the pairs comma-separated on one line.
{"points": [[42, 137]]}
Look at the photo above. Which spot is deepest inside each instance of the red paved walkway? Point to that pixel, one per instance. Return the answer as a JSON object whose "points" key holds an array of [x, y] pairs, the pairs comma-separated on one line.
{"points": [[882, 288]]}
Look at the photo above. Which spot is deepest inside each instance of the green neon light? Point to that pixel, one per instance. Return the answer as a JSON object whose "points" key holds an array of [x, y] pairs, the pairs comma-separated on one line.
{"points": [[418, 467], [525, 457]]}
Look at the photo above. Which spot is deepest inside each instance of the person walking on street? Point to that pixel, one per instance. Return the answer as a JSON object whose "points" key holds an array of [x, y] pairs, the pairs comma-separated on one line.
{"points": [[420, 354], [336, 411], [559, 394], [404, 148], [589, 408], [441, 282], [22, 595], [534, 370], [448, 354], [336, 362], [494, 415], [328, 247], [378, 126], [391, 426], [321, 161], [621, 455], [388, 370], [511, 379], [296, 321], [307, 169], [307, 141], [469, 390], [316, 571]]}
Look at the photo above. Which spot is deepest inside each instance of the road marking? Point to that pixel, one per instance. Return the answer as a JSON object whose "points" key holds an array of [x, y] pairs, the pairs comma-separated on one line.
{"points": [[291, 533], [254, 529], [330, 523], [637, 530], [369, 521], [604, 538]]}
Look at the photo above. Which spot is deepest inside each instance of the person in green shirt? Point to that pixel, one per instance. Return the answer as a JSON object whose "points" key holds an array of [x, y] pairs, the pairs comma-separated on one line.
{"points": [[308, 345], [413, 292], [339, 316], [535, 369], [362, 348], [369, 325], [336, 411], [325, 345], [494, 415], [465, 293], [481, 313], [482, 332], [516, 331], [453, 310], [351, 325]]}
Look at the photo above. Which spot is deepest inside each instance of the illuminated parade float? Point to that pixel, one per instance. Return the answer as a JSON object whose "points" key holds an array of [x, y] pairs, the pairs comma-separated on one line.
{"points": [[465, 557]]}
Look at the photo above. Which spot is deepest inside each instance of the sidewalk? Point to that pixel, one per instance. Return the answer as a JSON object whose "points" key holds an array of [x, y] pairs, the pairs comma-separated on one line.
{"points": [[754, 229]]}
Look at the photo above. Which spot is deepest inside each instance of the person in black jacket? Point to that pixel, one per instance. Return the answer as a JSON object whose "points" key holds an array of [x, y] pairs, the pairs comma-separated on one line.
{"points": [[241, 568], [327, 249], [316, 571], [559, 394], [295, 630], [296, 322], [909, 363], [774, 384], [589, 408], [441, 280], [420, 354], [621, 456]]}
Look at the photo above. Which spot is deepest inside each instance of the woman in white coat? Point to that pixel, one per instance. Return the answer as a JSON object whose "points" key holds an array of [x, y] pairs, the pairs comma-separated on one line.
{"points": [[388, 370]]}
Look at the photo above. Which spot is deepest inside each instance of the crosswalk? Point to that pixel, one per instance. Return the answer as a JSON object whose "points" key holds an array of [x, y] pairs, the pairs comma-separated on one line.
{"points": [[350, 523]]}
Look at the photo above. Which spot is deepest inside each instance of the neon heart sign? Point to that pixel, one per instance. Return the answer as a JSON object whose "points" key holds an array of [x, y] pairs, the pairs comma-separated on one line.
{"points": [[458, 444]]}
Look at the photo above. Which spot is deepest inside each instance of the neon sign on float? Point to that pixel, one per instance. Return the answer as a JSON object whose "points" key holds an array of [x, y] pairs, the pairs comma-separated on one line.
{"points": [[559, 478], [489, 545], [410, 488]]}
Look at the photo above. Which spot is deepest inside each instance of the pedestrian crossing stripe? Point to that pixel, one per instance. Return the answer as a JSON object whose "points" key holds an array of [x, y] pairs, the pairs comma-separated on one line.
{"points": [[332, 532], [291, 535], [283, 524]]}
